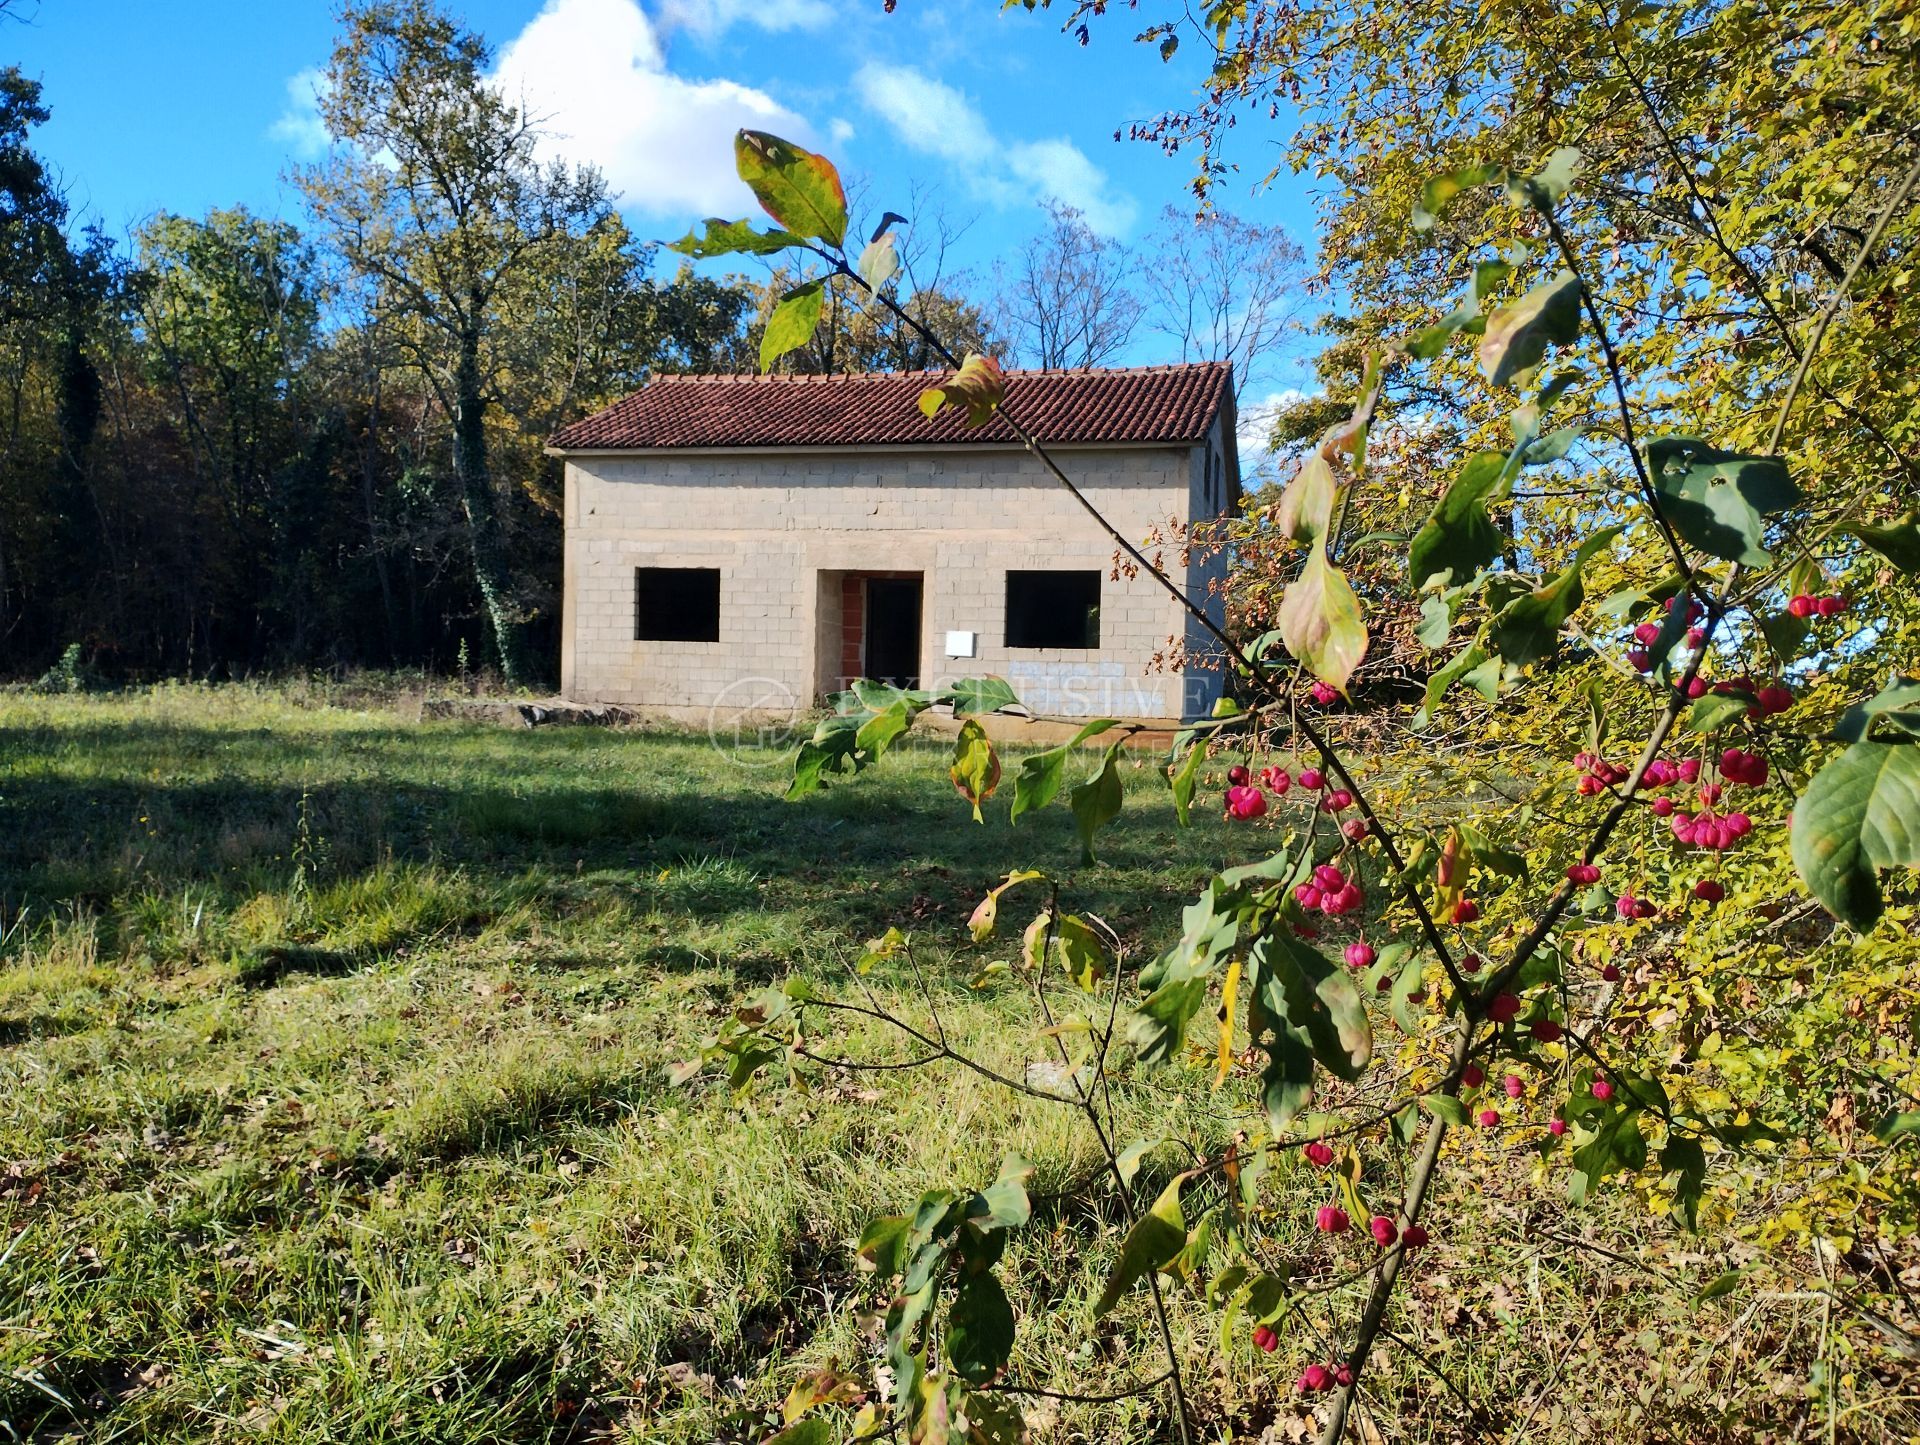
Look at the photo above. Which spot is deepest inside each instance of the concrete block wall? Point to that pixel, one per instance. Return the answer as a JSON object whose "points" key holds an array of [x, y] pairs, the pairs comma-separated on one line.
{"points": [[780, 524]]}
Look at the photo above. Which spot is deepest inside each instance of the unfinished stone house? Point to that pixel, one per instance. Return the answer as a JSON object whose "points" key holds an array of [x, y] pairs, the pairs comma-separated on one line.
{"points": [[758, 542]]}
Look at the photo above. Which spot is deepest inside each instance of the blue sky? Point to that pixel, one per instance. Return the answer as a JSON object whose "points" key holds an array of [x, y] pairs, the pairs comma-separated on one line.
{"points": [[207, 102]]}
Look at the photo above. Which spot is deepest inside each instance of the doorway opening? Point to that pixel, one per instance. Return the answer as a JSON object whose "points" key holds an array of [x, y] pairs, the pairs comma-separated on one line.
{"points": [[890, 651]]}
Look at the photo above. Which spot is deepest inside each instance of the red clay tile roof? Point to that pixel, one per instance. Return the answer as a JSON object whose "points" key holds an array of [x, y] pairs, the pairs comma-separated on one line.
{"points": [[1134, 404]]}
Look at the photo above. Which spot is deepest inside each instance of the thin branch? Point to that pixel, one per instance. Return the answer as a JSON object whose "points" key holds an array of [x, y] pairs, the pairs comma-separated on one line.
{"points": [[1835, 301]]}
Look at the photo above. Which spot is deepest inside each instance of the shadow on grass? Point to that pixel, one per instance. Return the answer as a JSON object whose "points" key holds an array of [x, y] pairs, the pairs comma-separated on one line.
{"points": [[95, 814]]}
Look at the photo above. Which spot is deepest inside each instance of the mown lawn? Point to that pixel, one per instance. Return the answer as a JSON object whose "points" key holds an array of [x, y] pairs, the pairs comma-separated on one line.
{"points": [[334, 1103]]}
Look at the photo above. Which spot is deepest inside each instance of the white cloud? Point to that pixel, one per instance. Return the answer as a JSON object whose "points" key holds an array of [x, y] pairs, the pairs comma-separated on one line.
{"points": [[937, 120], [840, 129], [1253, 432], [299, 124], [710, 17], [594, 75]]}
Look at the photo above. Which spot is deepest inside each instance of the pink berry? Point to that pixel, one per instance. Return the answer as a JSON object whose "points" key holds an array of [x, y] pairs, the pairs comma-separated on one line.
{"points": [[1343, 1373], [1413, 1236], [1331, 1219], [1323, 694], [1465, 911], [1318, 1153], [1360, 955], [1611, 973], [1503, 1008], [1801, 605], [1265, 1338], [1275, 780], [1708, 891], [1557, 1127], [1244, 803], [1547, 1031], [1472, 1076], [1663, 807], [1639, 659], [1689, 770], [1515, 1085], [1602, 1090], [1583, 873], [1382, 1230], [1647, 633], [1354, 829], [1697, 687], [1773, 699], [1488, 1118], [1313, 1379], [1237, 775], [1696, 637], [1310, 779], [1830, 606]]}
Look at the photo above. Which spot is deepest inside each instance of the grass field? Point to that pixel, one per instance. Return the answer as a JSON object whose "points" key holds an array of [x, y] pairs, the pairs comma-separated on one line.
{"points": [[334, 1107]]}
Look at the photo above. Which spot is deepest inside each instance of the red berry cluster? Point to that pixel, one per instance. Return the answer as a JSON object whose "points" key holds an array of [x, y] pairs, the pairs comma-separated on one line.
{"points": [[1596, 774], [1331, 892], [1316, 1378], [1324, 694], [1802, 606]]}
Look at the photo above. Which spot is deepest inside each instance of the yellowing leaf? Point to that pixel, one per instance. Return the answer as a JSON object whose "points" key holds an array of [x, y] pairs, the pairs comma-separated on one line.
{"points": [[976, 766], [979, 386], [799, 189], [1320, 621]]}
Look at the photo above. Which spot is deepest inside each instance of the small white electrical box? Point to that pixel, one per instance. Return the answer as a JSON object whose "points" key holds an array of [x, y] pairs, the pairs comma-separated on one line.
{"points": [[960, 644]]}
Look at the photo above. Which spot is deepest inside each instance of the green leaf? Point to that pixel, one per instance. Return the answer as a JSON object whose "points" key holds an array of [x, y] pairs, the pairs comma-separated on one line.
{"points": [[1860, 813], [1715, 710], [814, 1430], [883, 1244], [1096, 802], [1719, 500], [1043, 774], [1528, 628], [1183, 782], [976, 766], [1519, 333], [1485, 853], [1468, 659], [1544, 189], [978, 695], [1785, 634], [1893, 714], [1286, 1084], [877, 733], [1436, 622], [1430, 341], [792, 322], [1177, 980], [1437, 194], [1898, 542], [1320, 621], [1128, 1161], [1078, 948], [1457, 540], [799, 189], [730, 238], [979, 1329], [1156, 1237], [1446, 1108], [1726, 1284], [1895, 1125], [1299, 984], [1003, 1204], [1686, 1158]]}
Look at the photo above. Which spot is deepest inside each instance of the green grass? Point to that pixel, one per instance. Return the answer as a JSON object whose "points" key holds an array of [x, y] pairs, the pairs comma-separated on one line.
{"points": [[334, 1100]]}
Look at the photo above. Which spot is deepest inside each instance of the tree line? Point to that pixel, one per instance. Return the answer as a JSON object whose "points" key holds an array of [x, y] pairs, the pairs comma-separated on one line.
{"points": [[231, 444]]}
